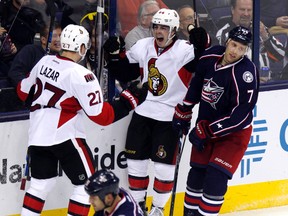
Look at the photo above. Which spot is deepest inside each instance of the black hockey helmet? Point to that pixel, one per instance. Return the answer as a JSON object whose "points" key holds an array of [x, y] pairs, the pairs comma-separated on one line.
{"points": [[241, 34], [101, 183]]}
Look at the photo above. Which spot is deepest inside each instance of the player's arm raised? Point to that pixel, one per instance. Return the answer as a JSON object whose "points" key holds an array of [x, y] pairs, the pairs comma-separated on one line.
{"points": [[117, 61]]}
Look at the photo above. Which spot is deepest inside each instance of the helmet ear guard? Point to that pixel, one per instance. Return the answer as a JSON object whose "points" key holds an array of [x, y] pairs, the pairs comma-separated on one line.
{"points": [[73, 36]]}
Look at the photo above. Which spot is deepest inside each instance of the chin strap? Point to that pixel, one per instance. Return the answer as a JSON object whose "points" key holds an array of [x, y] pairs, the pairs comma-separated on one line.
{"points": [[169, 38]]}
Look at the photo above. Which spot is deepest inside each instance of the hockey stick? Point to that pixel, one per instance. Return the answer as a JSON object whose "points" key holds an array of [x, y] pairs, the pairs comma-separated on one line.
{"points": [[26, 176], [101, 74], [195, 14], [52, 9], [180, 151]]}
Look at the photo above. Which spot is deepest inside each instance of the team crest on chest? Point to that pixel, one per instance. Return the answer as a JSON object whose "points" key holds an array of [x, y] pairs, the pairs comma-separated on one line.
{"points": [[157, 83], [211, 92], [161, 152]]}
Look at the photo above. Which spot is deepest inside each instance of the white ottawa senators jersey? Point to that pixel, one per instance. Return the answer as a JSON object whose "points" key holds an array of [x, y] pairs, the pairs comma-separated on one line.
{"points": [[168, 80], [64, 90]]}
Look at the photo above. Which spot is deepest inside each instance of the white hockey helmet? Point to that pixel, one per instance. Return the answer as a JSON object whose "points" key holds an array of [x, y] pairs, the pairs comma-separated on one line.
{"points": [[167, 17], [73, 36]]}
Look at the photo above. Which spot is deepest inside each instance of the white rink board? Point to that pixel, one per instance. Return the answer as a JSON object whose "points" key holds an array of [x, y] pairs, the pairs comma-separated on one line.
{"points": [[265, 161]]}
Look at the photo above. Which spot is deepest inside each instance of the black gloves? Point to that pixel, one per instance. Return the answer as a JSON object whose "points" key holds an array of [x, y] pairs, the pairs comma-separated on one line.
{"points": [[199, 38], [134, 95], [182, 118], [114, 45]]}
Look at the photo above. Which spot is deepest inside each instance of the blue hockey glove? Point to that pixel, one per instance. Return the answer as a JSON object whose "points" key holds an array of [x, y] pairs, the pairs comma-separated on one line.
{"points": [[200, 134], [182, 118]]}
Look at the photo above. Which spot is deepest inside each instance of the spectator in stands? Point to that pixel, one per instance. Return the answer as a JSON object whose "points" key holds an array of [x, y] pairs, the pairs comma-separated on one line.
{"points": [[274, 13], [127, 14], [7, 49], [30, 54], [90, 61], [145, 13], [187, 17], [21, 23], [270, 48]]}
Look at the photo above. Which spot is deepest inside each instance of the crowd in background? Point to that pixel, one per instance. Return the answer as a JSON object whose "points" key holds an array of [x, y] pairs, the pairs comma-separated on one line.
{"points": [[23, 20]]}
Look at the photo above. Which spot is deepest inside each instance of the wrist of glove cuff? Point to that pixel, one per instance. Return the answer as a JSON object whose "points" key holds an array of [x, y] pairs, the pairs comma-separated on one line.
{"points": [[203, 130], [128, 98], [182, 118], [134, 95], [200, 134], [183, 112]]}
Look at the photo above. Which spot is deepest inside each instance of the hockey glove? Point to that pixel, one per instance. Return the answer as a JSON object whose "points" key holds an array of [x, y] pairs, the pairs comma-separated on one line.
{"points": [[134, 95], [200, 134], [199, 38], [182, 118], [114, 46]]}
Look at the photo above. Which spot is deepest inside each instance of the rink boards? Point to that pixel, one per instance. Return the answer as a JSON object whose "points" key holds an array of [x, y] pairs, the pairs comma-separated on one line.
{"points": [[260, 180]]}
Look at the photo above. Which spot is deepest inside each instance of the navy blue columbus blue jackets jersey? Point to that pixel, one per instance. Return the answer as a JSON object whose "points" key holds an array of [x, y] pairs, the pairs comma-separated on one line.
{"points": [[126, 207], [227, 95]]}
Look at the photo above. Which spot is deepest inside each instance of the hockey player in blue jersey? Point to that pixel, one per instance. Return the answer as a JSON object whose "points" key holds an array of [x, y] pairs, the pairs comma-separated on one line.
{"points": [[226, 87], [107, 198]]}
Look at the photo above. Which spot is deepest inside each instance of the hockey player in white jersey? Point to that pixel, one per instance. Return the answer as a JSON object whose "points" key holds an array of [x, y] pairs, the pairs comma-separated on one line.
{"points": [[167, 64], [64, 92]]}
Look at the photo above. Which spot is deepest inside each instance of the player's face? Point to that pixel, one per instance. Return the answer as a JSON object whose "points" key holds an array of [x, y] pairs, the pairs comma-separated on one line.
{"points": [[234, 51], [55, 43], [161, 34], [242, 13], [97, 203]]}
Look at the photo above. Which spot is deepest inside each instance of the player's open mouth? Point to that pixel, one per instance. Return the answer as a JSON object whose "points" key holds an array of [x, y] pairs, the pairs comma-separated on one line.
{"points": [[160, 39], [57, 44]]}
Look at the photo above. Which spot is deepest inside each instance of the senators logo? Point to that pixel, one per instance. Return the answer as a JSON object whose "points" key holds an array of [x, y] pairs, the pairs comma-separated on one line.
{"points": [[157, 83], [161, 152]]}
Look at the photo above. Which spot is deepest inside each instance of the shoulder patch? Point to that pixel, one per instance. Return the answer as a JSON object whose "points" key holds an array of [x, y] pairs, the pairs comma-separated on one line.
{"points": [[89, 77], [248, 77]]}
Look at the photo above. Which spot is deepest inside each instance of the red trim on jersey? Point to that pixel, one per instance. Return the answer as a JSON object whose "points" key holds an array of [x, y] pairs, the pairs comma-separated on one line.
{"points": [[33, 203], [185, 76], [162, 186], [106, 117], [70, 106], [136, 183], [86, 153], [22, 95], [76, 208]]}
